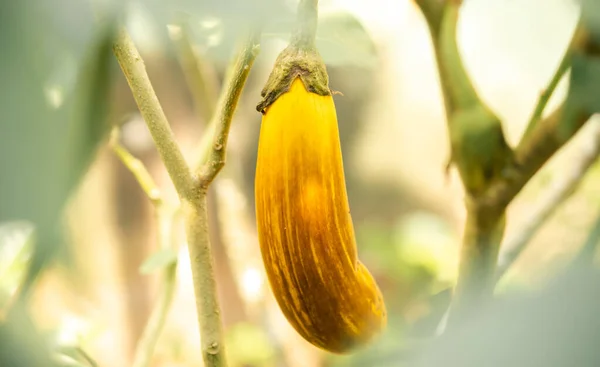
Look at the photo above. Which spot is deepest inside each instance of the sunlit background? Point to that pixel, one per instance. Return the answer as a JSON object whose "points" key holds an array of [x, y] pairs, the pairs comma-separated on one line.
{"points": [[408, 215]]}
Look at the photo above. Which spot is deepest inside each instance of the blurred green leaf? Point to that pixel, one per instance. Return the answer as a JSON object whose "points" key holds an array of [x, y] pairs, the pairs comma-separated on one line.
{"points": [[583, 96], [427, 326], [590, 15], [91, 102], [392, 342], [15, 253], [75, 356], [425, 240], [248, 345], [342, 40], [49, 136], [20, 343], [158, 260], [556, 326], [215, 24]]}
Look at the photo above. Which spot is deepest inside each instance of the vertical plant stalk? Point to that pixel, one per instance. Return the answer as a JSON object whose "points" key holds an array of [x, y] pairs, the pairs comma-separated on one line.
{"points": [[165, 216], [488, 199], [306, 30], [192, 192], [479, 151], [196, 211]]}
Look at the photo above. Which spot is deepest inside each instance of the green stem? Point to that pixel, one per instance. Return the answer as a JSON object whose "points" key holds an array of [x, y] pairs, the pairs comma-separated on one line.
{"points": [[205, 286], [479, 253], [137, 168], [432, 11], [460, 89], [230, 95], [544, 98], [147, 343], [165, 217], [483, 229], [135, 72], [306, 31], [192, 196], [196, 213]]}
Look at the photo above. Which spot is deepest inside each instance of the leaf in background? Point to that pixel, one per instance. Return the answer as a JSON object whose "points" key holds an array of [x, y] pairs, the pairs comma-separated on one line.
{"points": [[426, 240], [428, 325], [49, 129], [89, 125], [158, 260], [591, 17], [343, 40], [216, 24], [584, 95], [46, 146], [555, 326], [249, 345], [15, 253], [20, 344]]}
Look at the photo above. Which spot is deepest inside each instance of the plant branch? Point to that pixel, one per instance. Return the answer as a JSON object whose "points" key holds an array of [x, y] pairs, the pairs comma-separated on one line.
{"points": [[196, 213], [192, 196], [433, 11], [492, 176], [545, 139], [544, 98], [156, 322], [137, 168], [478, 149], [165, 217], [230, 95], [135, 72], [559, 191]]}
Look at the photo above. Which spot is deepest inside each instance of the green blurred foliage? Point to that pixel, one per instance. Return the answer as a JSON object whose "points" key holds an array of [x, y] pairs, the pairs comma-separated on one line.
{"points": [[248, 345], [57, 68], [15, 253], [50, 131], [158, 261], [342, 40], [583, 96], [52, 119]]}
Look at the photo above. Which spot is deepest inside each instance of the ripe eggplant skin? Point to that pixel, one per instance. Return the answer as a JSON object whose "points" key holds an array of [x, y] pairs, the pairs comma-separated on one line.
{"points": [[305, 229]]}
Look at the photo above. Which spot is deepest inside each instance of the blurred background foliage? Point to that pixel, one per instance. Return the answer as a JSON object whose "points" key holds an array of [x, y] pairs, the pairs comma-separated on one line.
{"points": [[62, 90]]}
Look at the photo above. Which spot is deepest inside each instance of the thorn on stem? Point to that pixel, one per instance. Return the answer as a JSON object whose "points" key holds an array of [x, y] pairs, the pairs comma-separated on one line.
{"points": [[213, 348]]}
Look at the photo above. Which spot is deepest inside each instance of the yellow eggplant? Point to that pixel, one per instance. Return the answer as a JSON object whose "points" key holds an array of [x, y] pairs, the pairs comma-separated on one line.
{"points": [[304, 225]]}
